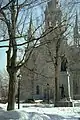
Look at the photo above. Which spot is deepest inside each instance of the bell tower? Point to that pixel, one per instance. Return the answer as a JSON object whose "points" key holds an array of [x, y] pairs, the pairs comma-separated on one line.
{"points": [[52, 14]]}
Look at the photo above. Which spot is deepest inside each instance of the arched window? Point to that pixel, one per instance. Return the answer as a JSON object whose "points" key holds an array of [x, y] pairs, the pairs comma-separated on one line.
{"points": [[37, 90]]}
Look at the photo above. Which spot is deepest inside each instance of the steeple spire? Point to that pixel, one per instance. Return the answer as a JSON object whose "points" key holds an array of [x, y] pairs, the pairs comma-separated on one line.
{"points": [[30, 27], [30, 34], [76, 21], [76, 33]]}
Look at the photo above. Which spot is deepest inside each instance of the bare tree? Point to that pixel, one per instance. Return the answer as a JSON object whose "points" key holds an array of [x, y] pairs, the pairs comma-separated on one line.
{"points": [[14, 15]]}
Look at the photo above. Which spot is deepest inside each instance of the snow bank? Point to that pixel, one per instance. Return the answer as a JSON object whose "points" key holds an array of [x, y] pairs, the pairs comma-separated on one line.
{"points": [[23, 115], [39, 113]]}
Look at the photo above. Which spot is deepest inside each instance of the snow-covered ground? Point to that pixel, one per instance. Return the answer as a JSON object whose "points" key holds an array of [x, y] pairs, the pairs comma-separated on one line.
{"points": [[39, 112]]}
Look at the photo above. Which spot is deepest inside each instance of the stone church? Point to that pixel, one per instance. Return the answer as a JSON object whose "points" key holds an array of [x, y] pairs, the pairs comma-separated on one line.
{"points": [[38, 74]]}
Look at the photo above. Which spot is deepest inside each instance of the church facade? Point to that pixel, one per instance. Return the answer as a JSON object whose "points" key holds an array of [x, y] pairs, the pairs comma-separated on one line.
{"points": [[38, 74]]}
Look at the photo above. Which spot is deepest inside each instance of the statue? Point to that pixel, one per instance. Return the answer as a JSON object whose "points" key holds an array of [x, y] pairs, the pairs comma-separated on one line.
{"points": [[63, 64]]}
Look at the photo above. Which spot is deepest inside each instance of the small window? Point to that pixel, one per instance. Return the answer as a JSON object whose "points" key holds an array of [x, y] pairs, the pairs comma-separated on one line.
{"points": [[50, 3], [37, 89], [49, 23]]}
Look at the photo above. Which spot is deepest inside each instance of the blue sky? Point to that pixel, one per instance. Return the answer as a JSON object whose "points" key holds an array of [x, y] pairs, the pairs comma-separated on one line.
{"points": [[2, 58], [3, 51]]}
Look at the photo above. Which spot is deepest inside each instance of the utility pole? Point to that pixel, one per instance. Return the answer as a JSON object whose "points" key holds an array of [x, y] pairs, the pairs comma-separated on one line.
{"points": [[19, 79], [48, 93]]}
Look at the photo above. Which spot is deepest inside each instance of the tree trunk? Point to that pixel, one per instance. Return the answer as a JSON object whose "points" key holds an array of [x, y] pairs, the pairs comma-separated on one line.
{"points": [[11, 93], [56, 96], [19, 93], [11, 59], [56, 83]]}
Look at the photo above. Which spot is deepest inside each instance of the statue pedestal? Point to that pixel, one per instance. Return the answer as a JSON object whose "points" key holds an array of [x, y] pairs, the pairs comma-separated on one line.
{"points": [[64, 103]]}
